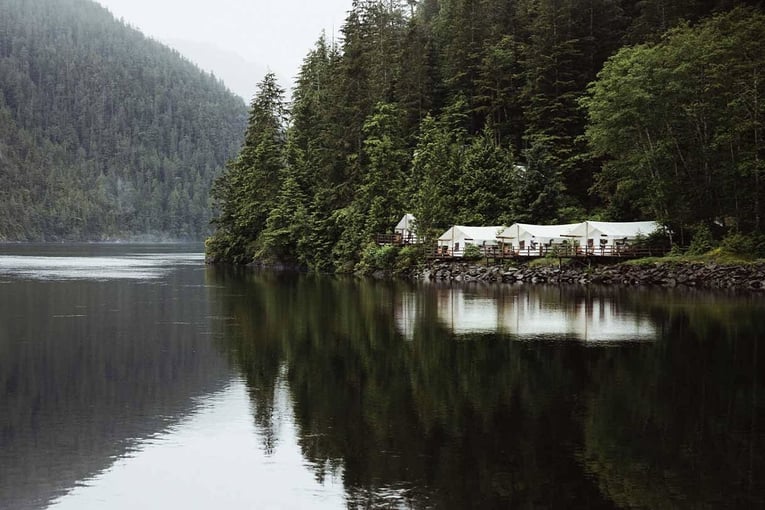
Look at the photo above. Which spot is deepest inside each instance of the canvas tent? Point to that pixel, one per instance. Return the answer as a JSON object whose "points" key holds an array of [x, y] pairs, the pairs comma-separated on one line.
{"points": [[453, 241], [523, 237], [603, 237], [405, 229]]}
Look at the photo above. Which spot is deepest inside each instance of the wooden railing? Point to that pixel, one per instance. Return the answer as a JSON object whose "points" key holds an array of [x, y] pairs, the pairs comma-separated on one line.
{"points": [[394, 239], [562, 251]]}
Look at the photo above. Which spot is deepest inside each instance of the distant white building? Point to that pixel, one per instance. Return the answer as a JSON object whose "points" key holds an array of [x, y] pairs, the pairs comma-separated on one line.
{"points": [[454, 241], [405, 229], [523, 237], [605, 237]]}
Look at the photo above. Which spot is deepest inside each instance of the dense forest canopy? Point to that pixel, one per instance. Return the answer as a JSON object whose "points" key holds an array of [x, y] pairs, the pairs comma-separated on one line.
{"points": [[495, 111], [104, 133]]}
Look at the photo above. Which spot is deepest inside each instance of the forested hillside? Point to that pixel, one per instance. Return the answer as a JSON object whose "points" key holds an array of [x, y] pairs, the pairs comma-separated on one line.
{"points": [[496, 111], [104, 134]]}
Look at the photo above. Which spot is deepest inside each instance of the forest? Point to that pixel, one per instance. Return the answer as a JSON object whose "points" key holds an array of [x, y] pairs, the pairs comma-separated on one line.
{"points": [[490, 112], [104, 133]]}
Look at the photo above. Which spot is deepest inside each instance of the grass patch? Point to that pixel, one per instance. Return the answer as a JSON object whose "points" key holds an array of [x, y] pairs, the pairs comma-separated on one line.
{"points": [[716, 256], [548, 262]]}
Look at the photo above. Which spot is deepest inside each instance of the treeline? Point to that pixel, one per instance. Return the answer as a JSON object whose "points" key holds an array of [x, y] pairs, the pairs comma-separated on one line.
{"points": [[103, 132], [495, 111]]}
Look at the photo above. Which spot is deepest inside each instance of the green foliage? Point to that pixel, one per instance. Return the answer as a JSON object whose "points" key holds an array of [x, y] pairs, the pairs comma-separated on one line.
{"points": [[537, 187], [249, 193], [104, 133], [472, 252], [465, 112], [374, 258], [752, 245], [679, 124], [702, 240], [409, 257]]}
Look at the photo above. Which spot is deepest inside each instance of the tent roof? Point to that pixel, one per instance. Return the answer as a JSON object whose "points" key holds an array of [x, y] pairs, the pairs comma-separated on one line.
{"points": [[474, 233], [620, 229], [540, 231], [406, 222]]}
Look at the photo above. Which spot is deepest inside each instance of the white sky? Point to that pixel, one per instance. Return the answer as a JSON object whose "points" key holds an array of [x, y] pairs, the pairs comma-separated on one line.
{"points": [[238, 40]]}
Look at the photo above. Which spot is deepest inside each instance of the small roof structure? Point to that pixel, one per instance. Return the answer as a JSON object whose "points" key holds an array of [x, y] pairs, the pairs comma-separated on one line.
{"points": [[406, 224], [405, 228], [540, 233], [615, 230]]}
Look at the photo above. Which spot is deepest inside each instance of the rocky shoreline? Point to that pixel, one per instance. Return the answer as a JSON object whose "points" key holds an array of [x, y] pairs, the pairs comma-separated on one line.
{"points": [[666, 274]]}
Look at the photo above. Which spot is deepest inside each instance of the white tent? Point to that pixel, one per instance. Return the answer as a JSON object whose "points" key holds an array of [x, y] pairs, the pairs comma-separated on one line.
{"points": [[602, 237], [405, 228], [525, 237], [454, 240]]}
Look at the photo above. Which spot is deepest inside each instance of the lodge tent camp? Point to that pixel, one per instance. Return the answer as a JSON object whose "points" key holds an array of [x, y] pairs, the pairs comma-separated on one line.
{"points": [[603, 237], [523, 237], [454, 241]]}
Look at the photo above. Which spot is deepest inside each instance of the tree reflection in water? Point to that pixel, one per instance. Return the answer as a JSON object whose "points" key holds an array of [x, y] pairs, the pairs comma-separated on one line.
{"points": [[416, 411]]}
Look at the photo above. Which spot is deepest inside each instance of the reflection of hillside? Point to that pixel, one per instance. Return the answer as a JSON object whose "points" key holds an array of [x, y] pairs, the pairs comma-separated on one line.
{"points": [[89, 368], [427, 423], [682, 425], [409, 415]]}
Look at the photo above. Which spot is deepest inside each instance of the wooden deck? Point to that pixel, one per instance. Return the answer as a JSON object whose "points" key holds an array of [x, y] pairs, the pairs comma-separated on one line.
{"points": [[394, 239], [607, 252]]}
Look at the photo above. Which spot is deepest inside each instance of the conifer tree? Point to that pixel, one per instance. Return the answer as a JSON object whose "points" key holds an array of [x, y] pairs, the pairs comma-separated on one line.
{"points": [[247, 192]]}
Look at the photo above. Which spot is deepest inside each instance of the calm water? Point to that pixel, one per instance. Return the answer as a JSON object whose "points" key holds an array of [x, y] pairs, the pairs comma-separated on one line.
{"points": [[136, 377]]}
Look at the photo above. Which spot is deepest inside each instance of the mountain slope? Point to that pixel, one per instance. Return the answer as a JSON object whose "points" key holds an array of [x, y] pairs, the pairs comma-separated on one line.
{"points": [[103, 132]]}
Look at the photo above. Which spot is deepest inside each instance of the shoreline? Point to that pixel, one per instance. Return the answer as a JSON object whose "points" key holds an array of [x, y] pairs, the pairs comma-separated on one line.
{"points": [[707, 275]]}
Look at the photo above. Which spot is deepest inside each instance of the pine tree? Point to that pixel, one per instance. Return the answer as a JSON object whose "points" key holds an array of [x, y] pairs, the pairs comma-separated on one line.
{"points": [[247, 191]]}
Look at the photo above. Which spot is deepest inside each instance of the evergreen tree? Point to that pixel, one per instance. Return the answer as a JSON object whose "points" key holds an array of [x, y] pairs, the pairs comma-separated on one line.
{"points": [[247, 192], [435, 169], [106, 132]]}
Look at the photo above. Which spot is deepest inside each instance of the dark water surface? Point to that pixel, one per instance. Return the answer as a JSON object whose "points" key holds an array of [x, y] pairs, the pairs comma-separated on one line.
{"points": [[136, 377]]}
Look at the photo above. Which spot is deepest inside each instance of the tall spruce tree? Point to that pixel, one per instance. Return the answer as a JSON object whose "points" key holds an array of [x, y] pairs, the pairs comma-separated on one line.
{"points": [[247, 191]]}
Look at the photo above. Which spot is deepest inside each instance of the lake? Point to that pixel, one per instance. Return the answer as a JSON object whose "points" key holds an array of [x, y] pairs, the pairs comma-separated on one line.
{"points": [[133, 376]]}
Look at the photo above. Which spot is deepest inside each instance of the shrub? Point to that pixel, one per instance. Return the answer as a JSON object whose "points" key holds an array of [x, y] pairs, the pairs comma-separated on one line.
{"points": [[408, 258], [386, 257], [702, 240], [752, 245], [472, 252], [375, 257]]}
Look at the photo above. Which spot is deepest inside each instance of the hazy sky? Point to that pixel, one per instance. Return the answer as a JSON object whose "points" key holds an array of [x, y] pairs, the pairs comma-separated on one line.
{"points": [[239, 40]]}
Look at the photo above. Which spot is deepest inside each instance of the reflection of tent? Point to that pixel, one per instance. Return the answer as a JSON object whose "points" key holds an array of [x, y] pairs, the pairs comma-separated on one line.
{"points": [[465, 313], [607, 235], [405, 228], [454, 240], [537, 314], [522, 236], [597, 320]]}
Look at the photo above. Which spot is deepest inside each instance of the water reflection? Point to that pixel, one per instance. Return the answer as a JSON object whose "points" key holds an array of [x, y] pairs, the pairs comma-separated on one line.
{"points": [[414, 405], [89, 369], [133, 267], [523, 312], [211, 459]]}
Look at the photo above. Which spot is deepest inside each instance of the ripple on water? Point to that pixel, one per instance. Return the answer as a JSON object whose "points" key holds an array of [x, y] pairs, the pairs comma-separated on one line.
{"points": [[139, 267]]}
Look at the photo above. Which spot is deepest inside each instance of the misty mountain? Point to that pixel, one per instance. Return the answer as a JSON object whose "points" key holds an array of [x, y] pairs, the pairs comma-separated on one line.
{"points": [[239, 74], [105, 133]]}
